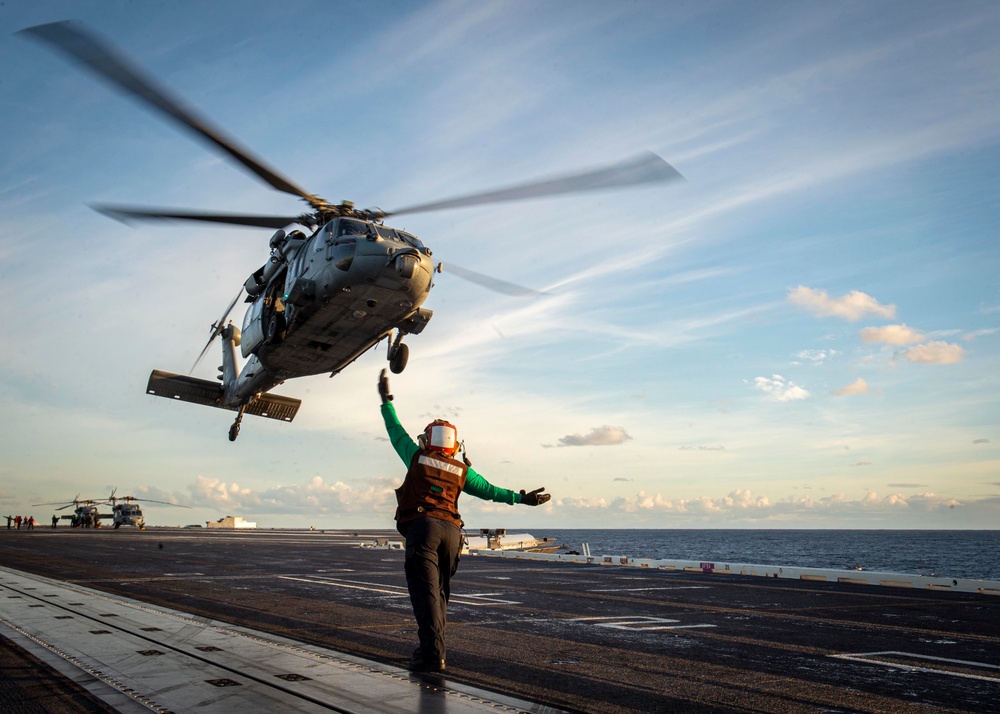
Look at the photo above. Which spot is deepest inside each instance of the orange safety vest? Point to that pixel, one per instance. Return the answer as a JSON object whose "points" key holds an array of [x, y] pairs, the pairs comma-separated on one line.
{"points": [[431, 488]]}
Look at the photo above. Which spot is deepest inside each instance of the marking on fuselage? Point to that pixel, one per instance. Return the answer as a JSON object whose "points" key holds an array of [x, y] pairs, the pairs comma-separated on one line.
{"points": [[868, 658], [399, 591], [636, 623]]}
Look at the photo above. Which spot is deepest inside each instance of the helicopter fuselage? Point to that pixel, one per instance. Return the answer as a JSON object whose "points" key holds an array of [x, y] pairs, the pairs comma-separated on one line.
{"points": [[128, 514], [323, 300]]}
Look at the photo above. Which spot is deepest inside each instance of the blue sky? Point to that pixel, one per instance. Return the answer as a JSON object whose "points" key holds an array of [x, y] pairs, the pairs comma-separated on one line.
{"points": [[803, 334]]}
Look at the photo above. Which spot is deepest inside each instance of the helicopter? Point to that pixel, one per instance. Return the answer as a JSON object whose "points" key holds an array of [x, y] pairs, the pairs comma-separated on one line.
{"points": [[337, 281], [85, 512], [125, 510]]}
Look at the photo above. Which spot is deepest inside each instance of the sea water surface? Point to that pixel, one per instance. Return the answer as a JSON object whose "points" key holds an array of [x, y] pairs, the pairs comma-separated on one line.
{"points": [[953, 554]]}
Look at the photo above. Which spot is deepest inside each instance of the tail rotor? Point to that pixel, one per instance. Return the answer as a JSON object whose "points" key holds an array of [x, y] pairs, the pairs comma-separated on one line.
{"points": [[217, 327]]}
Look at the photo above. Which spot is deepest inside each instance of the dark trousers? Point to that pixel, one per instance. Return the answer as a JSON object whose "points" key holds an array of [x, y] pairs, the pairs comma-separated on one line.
{"points": [[433, 547]]}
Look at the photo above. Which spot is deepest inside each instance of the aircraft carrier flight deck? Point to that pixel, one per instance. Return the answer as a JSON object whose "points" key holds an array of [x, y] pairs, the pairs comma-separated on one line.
{"points": [[310, 621]]}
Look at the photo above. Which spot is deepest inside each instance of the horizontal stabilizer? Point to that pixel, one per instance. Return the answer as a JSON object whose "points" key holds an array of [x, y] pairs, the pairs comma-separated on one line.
{"points": [[207, 393]]}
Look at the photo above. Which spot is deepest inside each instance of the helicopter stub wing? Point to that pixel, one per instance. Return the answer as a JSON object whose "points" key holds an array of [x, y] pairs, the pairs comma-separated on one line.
{"points": [[209, 394]]}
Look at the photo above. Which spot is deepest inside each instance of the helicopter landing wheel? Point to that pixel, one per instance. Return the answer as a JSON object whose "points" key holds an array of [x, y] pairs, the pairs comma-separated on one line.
{"points": [[397, 363], [234, 430], [276, 328]]}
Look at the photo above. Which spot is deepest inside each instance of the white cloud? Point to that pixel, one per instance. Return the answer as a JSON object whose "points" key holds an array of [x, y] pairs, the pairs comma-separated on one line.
{"points": [[779, 389], [316, 496], [600, 436], [743, 504], [852, 306], [975, 334], [891, 335], [935, 353], [816, 357], [858, 386]]}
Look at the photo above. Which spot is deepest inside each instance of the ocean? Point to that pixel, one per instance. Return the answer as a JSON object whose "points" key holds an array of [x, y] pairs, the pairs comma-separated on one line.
{"points": [[954, 554]]}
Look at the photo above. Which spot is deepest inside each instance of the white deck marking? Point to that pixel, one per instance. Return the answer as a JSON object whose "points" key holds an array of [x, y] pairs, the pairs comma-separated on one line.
{"points": [[866, 658], [640, 623], [399, 591], [635, 590]]}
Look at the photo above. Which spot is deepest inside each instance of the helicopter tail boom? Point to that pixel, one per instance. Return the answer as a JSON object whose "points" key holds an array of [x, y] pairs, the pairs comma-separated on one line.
{"points": [[202, 391]]}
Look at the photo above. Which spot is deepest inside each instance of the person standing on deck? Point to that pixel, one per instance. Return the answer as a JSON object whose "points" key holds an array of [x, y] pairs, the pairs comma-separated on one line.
{"points": [[427, 517]]}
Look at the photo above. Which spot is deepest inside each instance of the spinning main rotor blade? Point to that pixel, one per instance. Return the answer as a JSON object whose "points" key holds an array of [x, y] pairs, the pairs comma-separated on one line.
{"points": [[165, 503], [150, 500], [85, 47], [217, 329], [490, 283], [647, 168], [124, 213]]}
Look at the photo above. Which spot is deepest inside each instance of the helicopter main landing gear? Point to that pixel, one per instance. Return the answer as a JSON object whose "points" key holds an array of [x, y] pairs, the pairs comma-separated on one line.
{"points": [[234, 430], [398, 354]]}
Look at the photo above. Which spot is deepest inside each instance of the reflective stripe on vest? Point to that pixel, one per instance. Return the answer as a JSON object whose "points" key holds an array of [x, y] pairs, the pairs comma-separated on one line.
{"points": [[439, 464]]}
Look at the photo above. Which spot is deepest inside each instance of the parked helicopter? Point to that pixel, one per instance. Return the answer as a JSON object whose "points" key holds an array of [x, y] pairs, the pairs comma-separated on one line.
{"points": [[85, 512], [125, 510], [326, 294]]}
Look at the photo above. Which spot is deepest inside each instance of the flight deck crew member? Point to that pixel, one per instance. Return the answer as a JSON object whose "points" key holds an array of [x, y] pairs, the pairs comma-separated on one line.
{"points": [[427, 517]]}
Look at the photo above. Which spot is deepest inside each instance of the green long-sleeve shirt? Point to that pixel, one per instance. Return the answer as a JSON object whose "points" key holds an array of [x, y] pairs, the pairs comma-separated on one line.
{"points": [[475, 484]]}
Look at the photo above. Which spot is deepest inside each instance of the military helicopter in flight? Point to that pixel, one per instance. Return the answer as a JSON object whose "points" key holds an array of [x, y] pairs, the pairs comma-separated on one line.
{"points": [[338, 280]]}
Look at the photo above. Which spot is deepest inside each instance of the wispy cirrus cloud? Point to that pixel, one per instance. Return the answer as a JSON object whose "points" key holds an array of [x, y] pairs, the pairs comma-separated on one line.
{"points": [[976, 334]]}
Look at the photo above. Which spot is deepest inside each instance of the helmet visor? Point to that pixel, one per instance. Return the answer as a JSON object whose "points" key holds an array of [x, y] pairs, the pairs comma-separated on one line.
{"points": [[443, 437]]}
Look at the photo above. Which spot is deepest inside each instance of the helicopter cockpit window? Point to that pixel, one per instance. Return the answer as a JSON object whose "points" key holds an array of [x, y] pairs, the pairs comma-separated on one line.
{"points": [[346, 243], [411, 239], [350, 227]]}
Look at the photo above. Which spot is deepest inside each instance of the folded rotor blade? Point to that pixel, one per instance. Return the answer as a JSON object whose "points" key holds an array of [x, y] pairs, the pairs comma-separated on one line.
{"points": [[491, 283], [124, 214], [217, 329], [647, 168], [87, 48]]}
